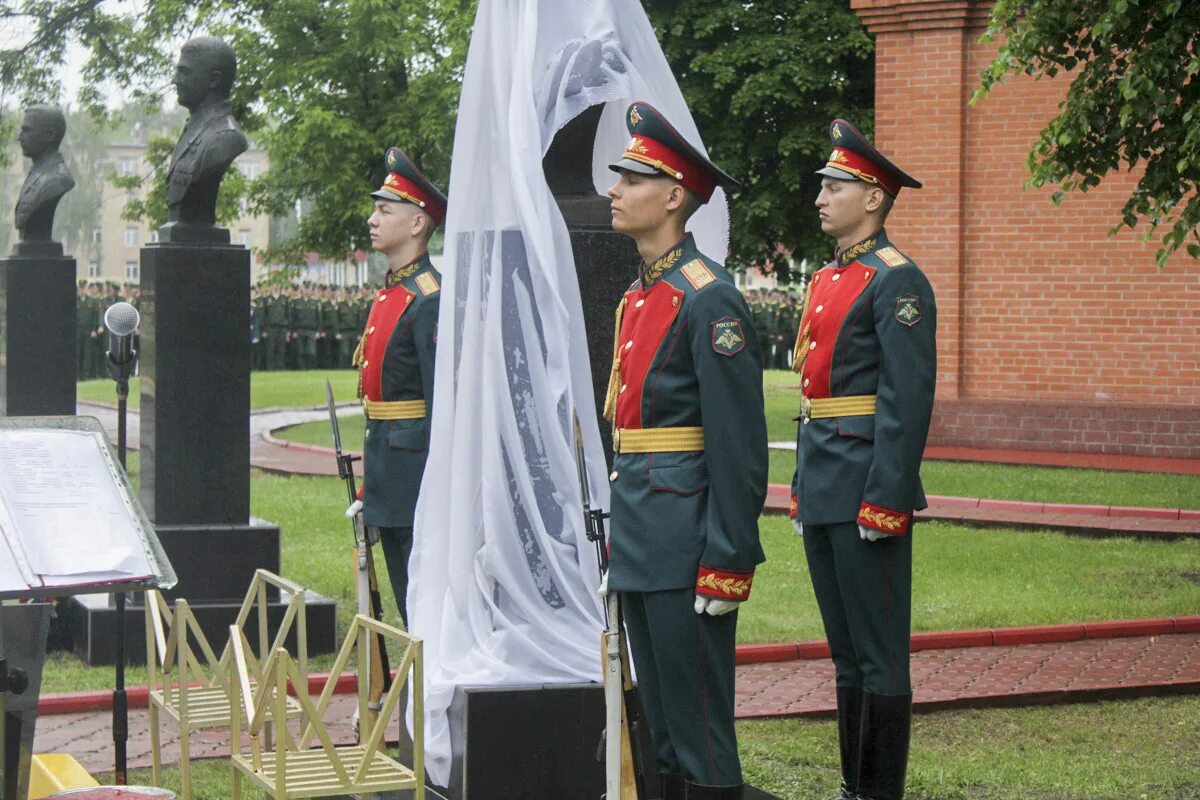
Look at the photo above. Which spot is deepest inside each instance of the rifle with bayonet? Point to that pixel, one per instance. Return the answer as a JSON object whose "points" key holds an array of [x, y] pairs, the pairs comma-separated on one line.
{"points": [[379, 673], [623, 779]]}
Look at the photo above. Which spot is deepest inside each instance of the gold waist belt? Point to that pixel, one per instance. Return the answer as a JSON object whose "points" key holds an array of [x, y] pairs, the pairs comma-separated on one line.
{"points": [[395, 409], [855, 405], [658, 440]]}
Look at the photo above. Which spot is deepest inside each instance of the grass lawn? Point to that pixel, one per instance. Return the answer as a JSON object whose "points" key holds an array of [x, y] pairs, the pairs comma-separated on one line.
{"points": [[998, 481], [267, 389], [1048, 753]]}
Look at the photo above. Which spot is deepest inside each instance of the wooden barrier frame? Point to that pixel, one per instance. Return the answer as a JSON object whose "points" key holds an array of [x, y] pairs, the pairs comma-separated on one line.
{"points": [[300, 770], [195, 693]]}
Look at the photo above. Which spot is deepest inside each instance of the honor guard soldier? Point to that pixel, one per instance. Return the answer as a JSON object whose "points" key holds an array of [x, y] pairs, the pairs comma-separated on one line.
{"points": [[866, 355], [395, 360], [690, 463]]}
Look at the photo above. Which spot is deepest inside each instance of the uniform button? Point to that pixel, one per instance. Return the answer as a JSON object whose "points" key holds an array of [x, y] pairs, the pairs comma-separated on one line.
{"points": [[820, 309], [372, 328], [639, 304], [382, 297], [613, 476], [629, 344], [366, 364], [812, 345], [835, 277], [624, 386], [806, 383]]}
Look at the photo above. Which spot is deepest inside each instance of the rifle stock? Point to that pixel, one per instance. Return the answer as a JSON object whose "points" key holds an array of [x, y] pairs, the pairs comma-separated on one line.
{"points": [[622, 774], [379, 673]]}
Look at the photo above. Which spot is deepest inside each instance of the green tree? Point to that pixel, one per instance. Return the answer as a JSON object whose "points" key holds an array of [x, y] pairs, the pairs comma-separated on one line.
{"points": [[1132, 102], [764, 78], [323, 87]]}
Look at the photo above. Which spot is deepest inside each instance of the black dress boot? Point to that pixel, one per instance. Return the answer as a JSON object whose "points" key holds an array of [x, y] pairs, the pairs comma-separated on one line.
{"points": [[849, 717], [883, 758], [674, 787], [697, 791]]}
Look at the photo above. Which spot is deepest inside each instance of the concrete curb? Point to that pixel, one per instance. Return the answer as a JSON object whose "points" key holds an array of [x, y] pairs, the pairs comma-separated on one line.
{"points": [[1032, 634]]}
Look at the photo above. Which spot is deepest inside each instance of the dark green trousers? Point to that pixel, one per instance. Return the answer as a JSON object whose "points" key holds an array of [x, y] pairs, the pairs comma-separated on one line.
{"points": [[397, 547], [684, 665], [864, 591]]}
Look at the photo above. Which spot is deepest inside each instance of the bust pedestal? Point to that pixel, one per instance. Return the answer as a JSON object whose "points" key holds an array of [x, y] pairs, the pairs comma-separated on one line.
{"points": [[37, 331], [195, 444]]}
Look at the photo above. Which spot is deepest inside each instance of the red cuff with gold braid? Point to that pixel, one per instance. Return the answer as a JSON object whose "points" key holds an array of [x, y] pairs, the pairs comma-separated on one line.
{"points": [[724, 584], [794, 507], [897, 523], [359, 494]]}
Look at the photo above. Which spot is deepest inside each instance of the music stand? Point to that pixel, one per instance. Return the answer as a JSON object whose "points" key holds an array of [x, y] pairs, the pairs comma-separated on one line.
{"points": [[70, 523]]}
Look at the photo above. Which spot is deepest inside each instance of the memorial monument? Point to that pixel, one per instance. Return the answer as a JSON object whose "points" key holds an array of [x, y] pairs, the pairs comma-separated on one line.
{"points": [[37, 282], [195, 375]]}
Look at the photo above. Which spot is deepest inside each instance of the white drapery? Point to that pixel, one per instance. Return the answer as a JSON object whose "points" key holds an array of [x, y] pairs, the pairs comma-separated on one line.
{"points": [[503, 579]]}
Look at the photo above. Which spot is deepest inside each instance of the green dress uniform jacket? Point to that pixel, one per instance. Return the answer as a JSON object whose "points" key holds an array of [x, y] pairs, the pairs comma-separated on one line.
{"points": [[395, 358], [687, 356], [868, 329]]}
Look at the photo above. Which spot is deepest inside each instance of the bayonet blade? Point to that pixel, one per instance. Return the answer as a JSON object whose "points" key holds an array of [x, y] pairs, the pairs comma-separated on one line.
{"points": [[333, 420], [581, 465]]}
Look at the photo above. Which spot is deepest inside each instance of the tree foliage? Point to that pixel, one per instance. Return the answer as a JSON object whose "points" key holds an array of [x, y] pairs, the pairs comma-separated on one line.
{"points": [[1132, 102], [764, 78], [324, 86]]}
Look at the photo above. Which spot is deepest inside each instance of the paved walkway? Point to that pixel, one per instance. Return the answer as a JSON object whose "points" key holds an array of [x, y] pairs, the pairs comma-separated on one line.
{"points": [[947, 677]]}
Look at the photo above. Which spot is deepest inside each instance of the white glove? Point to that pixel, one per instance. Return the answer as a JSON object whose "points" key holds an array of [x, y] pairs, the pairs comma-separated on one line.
{"points": [[354, 510], [798, 526], [603, 590], [715, 607], [871, 534]]}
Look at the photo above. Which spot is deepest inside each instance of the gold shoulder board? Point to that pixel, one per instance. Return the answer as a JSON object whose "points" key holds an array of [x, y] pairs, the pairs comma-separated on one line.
{"points": [[891, 256], [698, 274], [427, 283]]}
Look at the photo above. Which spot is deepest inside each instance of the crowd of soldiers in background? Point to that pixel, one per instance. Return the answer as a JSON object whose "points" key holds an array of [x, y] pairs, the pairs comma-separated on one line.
{"points": [[306, 326], [776, 314], [316, 326]]}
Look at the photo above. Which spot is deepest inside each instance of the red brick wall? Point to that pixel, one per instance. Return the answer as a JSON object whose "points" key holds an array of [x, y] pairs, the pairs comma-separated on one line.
{"points": [[1037, 304]]}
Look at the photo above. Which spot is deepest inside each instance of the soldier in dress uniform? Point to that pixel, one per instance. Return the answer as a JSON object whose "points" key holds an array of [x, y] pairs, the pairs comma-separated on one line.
{"points": [[866, 355], [690, 463], [275, 328], [305, 322], [395, 358]]}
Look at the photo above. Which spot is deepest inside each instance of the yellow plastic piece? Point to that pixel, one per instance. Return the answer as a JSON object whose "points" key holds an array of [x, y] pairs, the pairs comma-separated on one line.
{"points": [[56, 772]]}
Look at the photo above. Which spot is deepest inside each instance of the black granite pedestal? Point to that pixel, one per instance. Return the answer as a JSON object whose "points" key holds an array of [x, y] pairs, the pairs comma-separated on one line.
{"points": [[37, 331], [195, 444]]}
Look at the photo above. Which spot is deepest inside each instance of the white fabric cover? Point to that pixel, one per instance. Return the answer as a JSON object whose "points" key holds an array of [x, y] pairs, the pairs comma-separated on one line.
{"points": [[503, 579]]}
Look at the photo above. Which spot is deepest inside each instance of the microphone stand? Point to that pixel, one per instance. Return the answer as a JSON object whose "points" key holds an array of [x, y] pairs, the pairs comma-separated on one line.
{"points": [[120, 373]]}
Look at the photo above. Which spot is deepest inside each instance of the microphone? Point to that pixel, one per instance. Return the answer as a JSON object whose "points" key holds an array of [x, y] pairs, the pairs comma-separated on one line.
{"points": [[122, 320]]}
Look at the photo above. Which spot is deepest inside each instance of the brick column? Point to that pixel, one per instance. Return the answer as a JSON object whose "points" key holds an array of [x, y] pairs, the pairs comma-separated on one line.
{"points": [[921, 92]]}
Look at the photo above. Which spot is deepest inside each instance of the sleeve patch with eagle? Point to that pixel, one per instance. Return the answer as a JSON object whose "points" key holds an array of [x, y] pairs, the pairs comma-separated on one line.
{"points": [[728, 339]]}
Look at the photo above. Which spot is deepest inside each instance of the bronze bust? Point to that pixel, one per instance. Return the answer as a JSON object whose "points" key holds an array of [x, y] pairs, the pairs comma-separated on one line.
{"points": [[210, 141], [42, 132]]}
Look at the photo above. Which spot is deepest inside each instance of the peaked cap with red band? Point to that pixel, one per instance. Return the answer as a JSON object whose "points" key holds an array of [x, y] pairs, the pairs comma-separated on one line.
{"points": [[405, 183], [856, 159], [656, 147]]}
